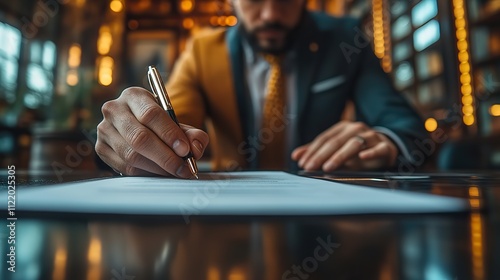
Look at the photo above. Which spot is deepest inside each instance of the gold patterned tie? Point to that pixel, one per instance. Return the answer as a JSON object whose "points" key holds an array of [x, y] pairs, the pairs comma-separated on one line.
{"points": [[273, 130]]}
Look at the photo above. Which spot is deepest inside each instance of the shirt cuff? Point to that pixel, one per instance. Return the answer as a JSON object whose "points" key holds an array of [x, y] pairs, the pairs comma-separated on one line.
{"points": [[403, 149]]}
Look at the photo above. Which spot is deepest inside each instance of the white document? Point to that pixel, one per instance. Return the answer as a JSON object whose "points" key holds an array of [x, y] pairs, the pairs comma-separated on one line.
{"points": [[234, 193]]}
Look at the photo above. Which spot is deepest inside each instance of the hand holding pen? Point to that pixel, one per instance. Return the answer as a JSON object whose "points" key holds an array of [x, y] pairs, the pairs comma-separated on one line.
{"points": [[161, 96], [137, 137]]}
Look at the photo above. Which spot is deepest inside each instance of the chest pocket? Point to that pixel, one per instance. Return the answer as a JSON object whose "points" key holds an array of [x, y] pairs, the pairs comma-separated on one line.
{"points": [[328, 84]]}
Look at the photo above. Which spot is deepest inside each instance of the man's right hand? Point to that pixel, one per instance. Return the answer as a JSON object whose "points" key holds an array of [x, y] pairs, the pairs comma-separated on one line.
{"points": [[137, 137]]}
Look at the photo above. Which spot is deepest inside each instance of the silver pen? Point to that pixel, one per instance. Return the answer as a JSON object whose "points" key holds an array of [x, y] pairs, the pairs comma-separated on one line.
{"points": [[161, 96]]}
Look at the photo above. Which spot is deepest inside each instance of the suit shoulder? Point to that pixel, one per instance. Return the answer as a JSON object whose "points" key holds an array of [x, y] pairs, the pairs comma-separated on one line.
{"points": [[210, 37]]}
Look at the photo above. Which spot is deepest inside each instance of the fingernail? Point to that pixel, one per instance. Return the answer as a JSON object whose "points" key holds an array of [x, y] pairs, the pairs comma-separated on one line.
{"points": [[328, 166], [180, 148], [310, 166], [181, 171], [198, 146], [301, 162], [331, 165], [363, 154]]}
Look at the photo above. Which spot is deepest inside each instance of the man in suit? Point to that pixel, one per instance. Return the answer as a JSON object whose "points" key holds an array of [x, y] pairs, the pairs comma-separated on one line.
{"points": [[271, 92]]}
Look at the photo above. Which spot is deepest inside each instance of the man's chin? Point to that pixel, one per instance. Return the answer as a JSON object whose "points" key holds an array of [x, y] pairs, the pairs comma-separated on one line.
{"points": [[272, 47]]}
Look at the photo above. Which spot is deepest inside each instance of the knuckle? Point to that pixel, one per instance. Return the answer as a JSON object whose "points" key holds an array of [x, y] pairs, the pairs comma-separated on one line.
{"points": [[386, 148], [108, 107], [149, 113], [203, 138], [130, 170], [339, 158], [358, 125], [99, 148], [129, 92], [130, 156], [371, 134], [333, 144], [169, 134], [169, 163], [102, 127], [138, 138]]}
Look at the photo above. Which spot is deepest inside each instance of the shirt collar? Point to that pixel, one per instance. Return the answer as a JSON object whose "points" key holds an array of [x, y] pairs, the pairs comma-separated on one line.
{"points": [[250, 56]]}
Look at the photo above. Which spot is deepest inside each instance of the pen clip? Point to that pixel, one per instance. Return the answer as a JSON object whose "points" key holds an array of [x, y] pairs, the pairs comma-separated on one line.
{"points": [[158, 88], [153, 92]]}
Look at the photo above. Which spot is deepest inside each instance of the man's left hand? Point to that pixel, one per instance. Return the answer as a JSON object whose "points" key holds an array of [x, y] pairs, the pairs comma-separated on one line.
{"points": [[352, 145]]}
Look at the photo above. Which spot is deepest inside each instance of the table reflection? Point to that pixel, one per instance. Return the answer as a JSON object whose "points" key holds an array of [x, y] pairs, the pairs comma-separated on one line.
{"points": [[400, 247], [431, 247]]}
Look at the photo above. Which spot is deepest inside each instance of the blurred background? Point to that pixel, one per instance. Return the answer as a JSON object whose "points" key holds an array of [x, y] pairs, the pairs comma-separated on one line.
{"points": [[60, 60]]}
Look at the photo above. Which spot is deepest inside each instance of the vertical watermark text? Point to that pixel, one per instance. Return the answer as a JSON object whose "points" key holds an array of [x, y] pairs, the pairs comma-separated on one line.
{"points": [[11, 219]]}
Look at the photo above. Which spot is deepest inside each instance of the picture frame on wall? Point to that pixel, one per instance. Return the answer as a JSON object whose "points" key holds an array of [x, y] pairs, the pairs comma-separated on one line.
{"points": [[144, 48]]}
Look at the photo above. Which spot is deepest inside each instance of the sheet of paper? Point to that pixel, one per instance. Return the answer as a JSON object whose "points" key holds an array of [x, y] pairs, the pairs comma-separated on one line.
{"points": [[236, 193]]}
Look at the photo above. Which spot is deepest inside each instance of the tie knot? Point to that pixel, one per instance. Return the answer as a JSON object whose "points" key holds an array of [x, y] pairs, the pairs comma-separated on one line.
{"points": [[274, 60]]}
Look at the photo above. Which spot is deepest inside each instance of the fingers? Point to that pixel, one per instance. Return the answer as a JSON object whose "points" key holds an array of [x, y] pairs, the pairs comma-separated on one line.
{"points": [[299, 152], [151, 115], [127, 157], [379, 150], [385, 149], [351, 149], [320, 141], [339, 136], [112, 159], [198, 138], [138, 136], [143, 141], [345, 153], [349, 145]]}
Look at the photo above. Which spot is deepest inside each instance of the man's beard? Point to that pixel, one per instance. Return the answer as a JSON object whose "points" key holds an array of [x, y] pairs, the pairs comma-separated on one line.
{"points": [[289, 38]]}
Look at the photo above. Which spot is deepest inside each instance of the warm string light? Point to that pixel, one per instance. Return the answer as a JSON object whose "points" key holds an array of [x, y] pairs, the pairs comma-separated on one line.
{"points": [[60, 260], [105, 74], [464, 62], [213, 273], [72, 77], [105, 40], [74, 57], [431, 124], [94, 259], [186, 6], [495, 110], [116, 6], [378, 28], [188, 23], [223, 20], [476, 229], [74, 60], [221, 17], [105, 62], [387, 59], [381, 35]]}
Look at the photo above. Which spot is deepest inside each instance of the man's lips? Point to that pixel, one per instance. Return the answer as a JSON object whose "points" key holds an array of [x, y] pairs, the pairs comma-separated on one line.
{"points": [[270, 33]]}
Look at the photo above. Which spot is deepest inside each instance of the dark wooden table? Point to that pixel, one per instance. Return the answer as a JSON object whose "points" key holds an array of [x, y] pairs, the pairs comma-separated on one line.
{"points": [[430, 246]]}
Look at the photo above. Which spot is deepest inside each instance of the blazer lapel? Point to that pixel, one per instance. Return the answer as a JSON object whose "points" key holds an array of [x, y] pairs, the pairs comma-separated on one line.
{"points": [[238, 71], [235, 47], [309, 49]]}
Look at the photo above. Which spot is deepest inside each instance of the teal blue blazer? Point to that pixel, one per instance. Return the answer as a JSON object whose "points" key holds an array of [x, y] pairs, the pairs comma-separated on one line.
{"points": [[341, 67]]}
